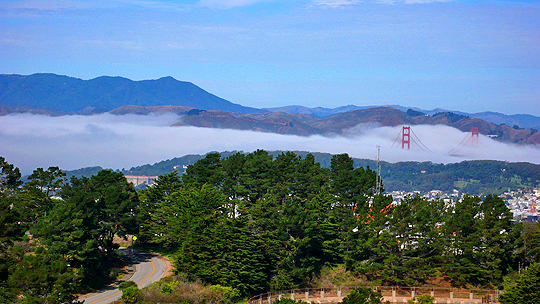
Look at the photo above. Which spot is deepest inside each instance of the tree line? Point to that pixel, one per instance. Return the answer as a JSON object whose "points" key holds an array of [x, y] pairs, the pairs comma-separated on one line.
{"points": [[257, 222], [252, 222], [478, 177]]}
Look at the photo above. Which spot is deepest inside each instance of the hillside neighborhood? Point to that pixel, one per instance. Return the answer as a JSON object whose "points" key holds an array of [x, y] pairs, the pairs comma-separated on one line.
{"points": [[522, 203]]}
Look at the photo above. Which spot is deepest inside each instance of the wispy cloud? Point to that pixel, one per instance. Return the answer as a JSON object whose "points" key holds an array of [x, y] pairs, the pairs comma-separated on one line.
{"points": [[424, 1], [35, 8], [225, 4], [59, 7], [335, 3], [339, 3], [44, 5], [156, 4], [129, 45]]}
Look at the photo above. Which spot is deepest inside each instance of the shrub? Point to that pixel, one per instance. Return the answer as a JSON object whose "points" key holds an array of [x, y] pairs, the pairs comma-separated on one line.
{"points": [[362, 295], [225, 291], [423, 299], [131, 294], [289, 301], [126, 284]]}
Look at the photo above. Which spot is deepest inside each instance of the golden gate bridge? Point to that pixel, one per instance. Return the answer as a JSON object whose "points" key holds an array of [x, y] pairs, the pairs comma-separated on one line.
{"points": [[408, 136]]}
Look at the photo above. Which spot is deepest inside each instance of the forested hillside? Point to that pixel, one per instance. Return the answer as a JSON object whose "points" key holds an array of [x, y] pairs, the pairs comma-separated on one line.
{"points": [[252, 223], [274, 223], [479, 177]]}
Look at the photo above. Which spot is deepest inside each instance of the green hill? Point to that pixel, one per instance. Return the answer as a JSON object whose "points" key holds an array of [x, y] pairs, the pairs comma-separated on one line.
{"points": [[474, 177]]}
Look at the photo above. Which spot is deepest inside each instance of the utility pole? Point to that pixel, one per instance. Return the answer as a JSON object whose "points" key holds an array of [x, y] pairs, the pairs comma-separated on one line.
{"points": [[378, 183]]}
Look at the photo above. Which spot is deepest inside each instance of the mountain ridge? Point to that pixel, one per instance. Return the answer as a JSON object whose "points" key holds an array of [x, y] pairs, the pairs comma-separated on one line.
{"points": [[51, 94], [305, 125], [71, 95], [522, 120]]}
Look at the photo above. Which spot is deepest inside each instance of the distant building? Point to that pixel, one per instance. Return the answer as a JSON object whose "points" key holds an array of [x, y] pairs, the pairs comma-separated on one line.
{"points": [[137, 180]]}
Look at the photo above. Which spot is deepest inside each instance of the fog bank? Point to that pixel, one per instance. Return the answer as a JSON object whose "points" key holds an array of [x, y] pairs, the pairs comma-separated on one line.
{"points": [[71, 142]]}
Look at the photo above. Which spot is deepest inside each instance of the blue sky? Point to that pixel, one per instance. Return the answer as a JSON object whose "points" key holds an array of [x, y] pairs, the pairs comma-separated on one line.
{"points": [[470, 56]]}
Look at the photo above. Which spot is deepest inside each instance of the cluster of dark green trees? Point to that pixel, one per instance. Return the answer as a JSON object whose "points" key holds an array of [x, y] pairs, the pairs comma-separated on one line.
{"points": [[257, 222], [253, 222], [477, 177], [56, 238]]}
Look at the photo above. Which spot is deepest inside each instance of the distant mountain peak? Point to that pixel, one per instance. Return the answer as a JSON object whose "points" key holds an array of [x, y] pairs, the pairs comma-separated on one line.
{"points": [[168, 78], [106, 93]]}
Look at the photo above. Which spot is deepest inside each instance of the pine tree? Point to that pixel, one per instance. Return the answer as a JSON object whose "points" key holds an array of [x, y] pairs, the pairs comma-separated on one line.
{"points": [[526, 290], [45, 277]]}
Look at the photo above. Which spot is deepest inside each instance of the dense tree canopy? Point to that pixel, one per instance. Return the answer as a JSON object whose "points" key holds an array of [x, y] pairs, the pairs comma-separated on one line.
{"points": [[478, 177], [294, 217], [68, 246], [250, 222], [526, 290]]}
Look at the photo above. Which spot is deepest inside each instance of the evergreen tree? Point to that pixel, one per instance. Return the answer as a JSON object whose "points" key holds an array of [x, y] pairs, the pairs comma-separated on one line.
{"points": [[352, 189], [526, 290], [10, 228], [494, 233], [527, 244], [214, 247], [233, 167], [377, 255], [461, 229], [255, 179], [44, 277], [205, 171], [36, 199], [81, 228], [151, 218], [10, 178], [416, 223], [481, 241]]}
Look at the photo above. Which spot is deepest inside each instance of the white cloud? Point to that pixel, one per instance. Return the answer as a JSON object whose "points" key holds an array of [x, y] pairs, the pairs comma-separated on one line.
{"points": [[155, 5], [36, 8], [72, 142], [424, 1], [224, 4], [335, 3], [44, 5], [338, 3], [116, 44]]}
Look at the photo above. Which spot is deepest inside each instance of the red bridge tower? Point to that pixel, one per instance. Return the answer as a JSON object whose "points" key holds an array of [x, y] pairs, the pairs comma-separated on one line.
{"points": [[406, 137]]}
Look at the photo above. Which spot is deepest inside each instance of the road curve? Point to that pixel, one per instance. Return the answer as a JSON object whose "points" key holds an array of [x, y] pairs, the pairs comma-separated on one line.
{"points": [[149, 268]]}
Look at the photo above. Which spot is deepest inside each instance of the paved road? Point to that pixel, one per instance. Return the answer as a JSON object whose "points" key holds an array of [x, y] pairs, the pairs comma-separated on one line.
{"points": [[148, 269]]}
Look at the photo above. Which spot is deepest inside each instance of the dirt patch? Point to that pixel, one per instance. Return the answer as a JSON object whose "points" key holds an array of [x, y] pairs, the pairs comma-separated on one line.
{"points": [[445, 282], [122, 242]]}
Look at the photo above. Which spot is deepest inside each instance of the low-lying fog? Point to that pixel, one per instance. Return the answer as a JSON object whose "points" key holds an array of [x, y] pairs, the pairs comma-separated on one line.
{"points": [[72, 142]]}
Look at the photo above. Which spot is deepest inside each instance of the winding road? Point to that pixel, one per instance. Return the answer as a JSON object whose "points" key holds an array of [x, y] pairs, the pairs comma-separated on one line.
{"points": [[149, 268]]}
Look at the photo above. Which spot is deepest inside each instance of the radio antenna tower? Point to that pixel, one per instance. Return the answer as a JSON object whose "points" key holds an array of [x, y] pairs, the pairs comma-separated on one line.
{"points": [[378, 182]]}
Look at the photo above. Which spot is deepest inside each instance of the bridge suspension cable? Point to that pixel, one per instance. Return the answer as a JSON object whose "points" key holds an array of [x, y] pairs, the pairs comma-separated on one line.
{"points": [[422, 144], [407, 135], [462, 144]]}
